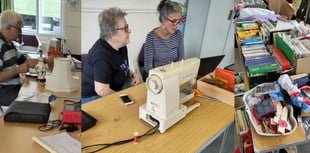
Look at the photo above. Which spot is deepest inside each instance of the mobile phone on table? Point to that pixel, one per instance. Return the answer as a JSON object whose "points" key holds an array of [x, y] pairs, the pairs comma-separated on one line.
{"points": [[126, 99]]}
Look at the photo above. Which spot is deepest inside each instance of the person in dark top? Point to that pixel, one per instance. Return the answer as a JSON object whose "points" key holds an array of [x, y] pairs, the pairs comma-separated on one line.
{"points": [[106, 69], [164, 44], [12, 62]]}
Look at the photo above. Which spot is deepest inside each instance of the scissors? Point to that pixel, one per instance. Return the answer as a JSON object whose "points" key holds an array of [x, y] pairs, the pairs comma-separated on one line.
{"points": [[198, 93]]}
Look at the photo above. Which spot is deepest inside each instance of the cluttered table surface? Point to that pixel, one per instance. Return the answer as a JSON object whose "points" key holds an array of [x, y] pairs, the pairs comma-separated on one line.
{"points": [[17, 137], [118, 122]]}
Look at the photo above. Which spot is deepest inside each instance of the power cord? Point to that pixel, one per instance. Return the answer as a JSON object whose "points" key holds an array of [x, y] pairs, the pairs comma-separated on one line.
{"points": [[106, 145], [51, 124]]}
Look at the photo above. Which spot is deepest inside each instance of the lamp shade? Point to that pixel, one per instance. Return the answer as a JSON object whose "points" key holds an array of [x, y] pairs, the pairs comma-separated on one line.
{"points": [[61, 79]]}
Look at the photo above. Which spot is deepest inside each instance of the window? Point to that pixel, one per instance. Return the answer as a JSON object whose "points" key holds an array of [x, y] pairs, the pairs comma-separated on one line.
{"points": [[41, 16]]}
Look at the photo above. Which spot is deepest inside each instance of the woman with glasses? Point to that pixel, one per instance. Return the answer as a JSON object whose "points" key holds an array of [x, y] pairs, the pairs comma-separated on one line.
{"points": [[106, 69], [164, 44], [12, 62]]}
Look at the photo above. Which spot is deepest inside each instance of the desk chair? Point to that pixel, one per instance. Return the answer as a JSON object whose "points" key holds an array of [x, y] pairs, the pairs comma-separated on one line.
{"points": [[83, 60], [139, 63], [10, 92]]}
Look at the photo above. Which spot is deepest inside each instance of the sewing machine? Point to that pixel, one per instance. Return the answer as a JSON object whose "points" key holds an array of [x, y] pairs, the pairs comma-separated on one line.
{"points": [[165, 97]]}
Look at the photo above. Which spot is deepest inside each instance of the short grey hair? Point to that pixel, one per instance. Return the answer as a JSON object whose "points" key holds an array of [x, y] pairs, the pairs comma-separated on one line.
{"points": [[167, 7], [10, 17], [108, 19]]}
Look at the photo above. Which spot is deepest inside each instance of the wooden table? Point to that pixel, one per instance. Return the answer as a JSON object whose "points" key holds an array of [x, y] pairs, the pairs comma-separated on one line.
{"points": [[16, 137], [266, 143], [118, 122]]}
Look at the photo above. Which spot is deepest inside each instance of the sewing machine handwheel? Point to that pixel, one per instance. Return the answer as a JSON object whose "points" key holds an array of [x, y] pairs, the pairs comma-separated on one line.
{"points": [[154, 84]]}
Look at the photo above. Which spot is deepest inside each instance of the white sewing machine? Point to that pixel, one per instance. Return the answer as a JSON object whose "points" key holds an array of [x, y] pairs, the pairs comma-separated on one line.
{"points": [[164, 98]]}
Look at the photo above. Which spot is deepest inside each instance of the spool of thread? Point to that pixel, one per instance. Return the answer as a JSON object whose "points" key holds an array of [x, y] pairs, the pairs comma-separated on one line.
{"points": [[135, 137]]}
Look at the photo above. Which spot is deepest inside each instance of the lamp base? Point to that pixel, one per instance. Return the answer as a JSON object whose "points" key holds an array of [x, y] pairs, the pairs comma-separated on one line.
{"points": [[61, 79], [61, 89]]}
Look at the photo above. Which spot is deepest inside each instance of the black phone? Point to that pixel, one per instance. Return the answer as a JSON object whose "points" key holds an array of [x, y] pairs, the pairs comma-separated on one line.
{"points": [[126, 99]]}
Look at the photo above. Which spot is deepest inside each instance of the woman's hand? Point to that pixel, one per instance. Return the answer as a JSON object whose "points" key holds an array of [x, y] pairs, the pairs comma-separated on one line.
{"points": [[135, 79]]}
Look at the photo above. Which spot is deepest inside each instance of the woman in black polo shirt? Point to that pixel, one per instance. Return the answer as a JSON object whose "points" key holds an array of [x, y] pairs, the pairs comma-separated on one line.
{"points": [[106, 68]]}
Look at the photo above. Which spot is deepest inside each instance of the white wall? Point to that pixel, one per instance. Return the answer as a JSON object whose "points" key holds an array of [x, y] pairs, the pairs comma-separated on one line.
{"points": [[217, 38], [208, 32], [72, 27], [142, 18], [124, 4], [195, 26]]}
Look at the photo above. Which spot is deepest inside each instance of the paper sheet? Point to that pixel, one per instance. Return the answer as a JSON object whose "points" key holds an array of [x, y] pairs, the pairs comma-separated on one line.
{"points": [[60, 143], [34, 97], [282, 25]]}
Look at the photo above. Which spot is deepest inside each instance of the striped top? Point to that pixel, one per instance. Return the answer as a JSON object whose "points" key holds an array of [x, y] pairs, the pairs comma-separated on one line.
{"points": [[158, 51], [9, 59]]}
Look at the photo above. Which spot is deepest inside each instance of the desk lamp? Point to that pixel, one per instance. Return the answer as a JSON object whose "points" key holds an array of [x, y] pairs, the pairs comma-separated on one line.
{"points": [[61, 79]]}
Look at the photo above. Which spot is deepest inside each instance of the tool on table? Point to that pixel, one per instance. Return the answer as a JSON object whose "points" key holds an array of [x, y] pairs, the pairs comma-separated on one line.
{"points": [[198, 93]]}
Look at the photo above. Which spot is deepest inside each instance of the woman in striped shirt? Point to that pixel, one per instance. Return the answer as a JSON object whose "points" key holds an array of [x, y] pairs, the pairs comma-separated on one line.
{"points": [[164, 44]]}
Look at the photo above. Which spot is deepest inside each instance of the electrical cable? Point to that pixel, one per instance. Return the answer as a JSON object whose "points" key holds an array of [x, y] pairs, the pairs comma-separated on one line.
{"points": [[106, 145], [50, 125]]}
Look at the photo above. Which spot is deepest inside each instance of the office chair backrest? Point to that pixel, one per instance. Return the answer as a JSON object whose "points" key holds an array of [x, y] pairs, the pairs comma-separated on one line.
{"points": [[83, 60], [139, 63], [8, 94], [141, 56]]}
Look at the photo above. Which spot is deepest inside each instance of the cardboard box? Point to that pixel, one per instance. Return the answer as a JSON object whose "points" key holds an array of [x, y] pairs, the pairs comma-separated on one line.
{"points": [[300, 65], [216, 92], [282, 7]]}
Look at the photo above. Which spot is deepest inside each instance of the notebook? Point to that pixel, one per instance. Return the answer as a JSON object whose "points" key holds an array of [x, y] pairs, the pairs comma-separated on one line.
{"points": [[208, 65], [59, 143]]}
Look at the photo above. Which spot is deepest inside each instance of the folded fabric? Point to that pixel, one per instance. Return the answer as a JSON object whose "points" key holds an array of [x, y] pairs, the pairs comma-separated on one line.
{"points": [[264, 108]]}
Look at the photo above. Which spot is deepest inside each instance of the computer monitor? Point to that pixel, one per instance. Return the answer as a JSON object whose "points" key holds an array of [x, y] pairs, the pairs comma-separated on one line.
{"points": [[31, 44], [208, 65]]}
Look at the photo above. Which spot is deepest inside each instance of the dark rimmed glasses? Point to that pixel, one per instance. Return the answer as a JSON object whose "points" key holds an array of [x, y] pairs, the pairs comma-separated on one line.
{"points": [[17, 28], [176, 21], [126, 28]]}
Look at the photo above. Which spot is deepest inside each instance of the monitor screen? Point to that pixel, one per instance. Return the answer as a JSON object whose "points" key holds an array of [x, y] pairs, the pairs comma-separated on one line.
{"points": [[31, 43], [30, 40], [208, 65]]}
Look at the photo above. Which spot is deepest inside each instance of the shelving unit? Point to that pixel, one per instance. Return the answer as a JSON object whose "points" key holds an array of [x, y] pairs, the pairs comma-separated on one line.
{"points": [[239, 104], [241, 130]]}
